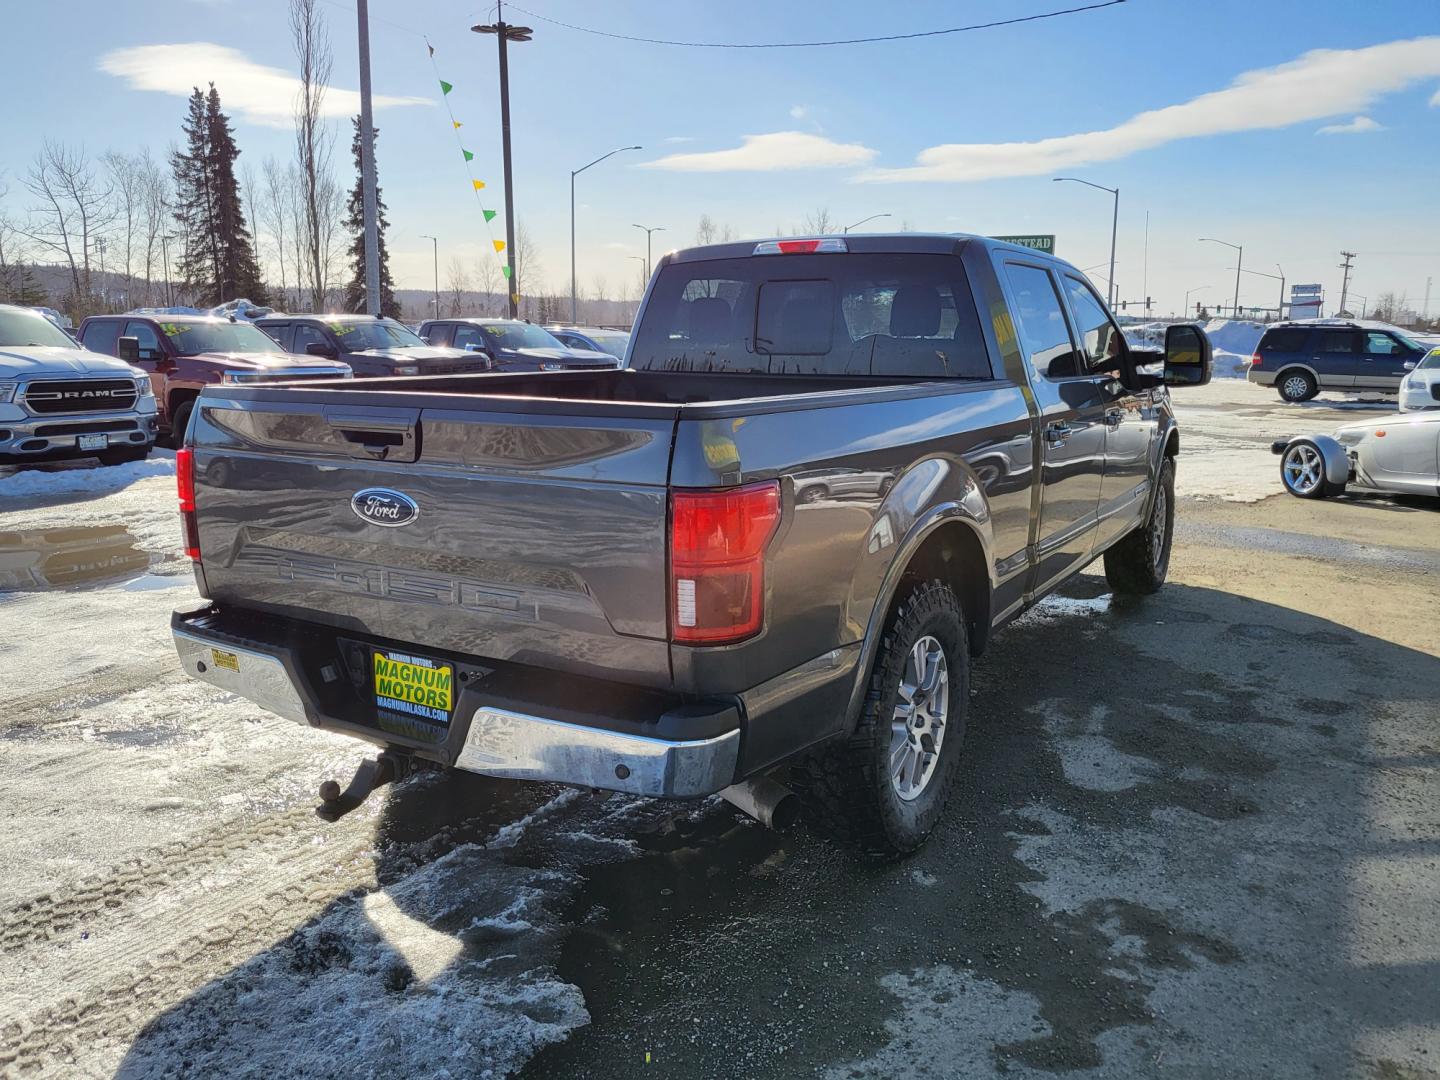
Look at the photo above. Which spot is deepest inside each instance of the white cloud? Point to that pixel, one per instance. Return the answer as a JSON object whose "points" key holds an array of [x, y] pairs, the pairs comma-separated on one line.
{"points": [[1320, 84], [679, 138], [799, 112], [1353, 127], [253, 92], [1436, 99], [769, 153]]}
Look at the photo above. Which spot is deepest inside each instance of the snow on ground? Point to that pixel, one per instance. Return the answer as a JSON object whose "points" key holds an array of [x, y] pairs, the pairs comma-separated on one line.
{"points": [[1226, 429]]}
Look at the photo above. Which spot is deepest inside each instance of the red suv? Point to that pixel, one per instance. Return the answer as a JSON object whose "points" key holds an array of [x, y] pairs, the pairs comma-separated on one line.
{"points": [[182, 353]]}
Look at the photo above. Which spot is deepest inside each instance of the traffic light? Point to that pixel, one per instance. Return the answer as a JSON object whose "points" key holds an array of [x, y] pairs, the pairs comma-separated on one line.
{"points": [[1122, 305]]}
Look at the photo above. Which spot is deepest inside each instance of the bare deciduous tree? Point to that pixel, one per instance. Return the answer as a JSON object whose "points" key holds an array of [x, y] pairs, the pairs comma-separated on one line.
{"points": [[528, 272], [127, 181], [457, 284], [818, 223], [73, 208], [705, 231], [314, 141], [156, 214], [276, 198], [488, 279]]}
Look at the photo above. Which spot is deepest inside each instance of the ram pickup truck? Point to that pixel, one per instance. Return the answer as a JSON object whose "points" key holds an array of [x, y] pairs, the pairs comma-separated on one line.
{"points": [[758, 560], [182, 353], [59, 401]]}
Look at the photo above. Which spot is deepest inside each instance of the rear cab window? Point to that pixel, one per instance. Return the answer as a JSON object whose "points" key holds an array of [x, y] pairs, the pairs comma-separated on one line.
{"points": [[891, 315], [1338, 341]]}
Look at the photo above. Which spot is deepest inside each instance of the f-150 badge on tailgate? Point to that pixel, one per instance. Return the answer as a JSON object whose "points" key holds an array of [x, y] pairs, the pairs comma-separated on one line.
{"points": [[381, 506]]}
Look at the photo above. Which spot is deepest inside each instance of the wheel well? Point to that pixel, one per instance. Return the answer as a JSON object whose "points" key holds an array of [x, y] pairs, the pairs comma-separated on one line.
{"points": [[1290, 369], [1172, 445], [176, 399], [953, 554]]}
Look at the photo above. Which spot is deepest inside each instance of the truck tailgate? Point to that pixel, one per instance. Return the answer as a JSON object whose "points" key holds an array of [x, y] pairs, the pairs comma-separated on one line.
{"points": [[534, 538]]}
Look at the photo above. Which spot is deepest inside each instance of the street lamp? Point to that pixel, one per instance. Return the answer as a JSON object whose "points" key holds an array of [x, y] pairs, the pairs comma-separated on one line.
{"points": [[504, 33], [648, 230], [1186, 308], [1114, 227], [1280, 310], [574, 173], [862, 221], [165, 239], [435, 252], [1239, 258]]}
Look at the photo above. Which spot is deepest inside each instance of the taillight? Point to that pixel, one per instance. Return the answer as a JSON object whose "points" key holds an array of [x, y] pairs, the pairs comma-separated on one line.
{"points": [[717, 561], [831, 245], [185, 482], [1255, 360]]}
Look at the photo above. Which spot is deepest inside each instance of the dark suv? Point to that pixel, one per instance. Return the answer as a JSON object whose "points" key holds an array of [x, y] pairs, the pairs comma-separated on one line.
{"points": [[513, 345], [370, 345], [1302, 358]]}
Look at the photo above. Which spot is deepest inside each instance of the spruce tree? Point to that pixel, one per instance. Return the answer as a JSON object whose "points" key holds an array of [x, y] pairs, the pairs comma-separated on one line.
{"points": [[355, 222], [218, 259]]}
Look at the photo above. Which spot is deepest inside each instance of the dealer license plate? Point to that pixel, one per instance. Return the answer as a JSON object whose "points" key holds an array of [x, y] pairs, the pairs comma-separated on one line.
{"points": [[413, 688], [94, 442]]}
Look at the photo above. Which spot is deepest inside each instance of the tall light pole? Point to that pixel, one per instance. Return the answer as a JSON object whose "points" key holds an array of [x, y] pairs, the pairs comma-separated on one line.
{"points": [[1239, 258], [1114, 227], [504, 33], [435, 253], [367, 166], [574, 173], [1279, 311], [648, 230], [1197, 288], [862, 221]]}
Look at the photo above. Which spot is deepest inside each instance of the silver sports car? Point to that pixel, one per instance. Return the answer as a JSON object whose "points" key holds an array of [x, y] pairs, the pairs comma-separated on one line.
{"points": [[1400, 454]]}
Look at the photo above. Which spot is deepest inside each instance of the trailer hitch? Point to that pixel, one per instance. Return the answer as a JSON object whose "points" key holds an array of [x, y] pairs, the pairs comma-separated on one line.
{"points": [[372, 773]]}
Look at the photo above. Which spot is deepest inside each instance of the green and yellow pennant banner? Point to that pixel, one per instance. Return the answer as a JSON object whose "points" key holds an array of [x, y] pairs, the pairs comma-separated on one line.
{"points": [[476, 185]]}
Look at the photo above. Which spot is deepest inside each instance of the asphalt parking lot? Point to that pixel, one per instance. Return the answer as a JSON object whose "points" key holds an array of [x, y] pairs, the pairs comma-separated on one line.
{"points": [[1195, 836]]}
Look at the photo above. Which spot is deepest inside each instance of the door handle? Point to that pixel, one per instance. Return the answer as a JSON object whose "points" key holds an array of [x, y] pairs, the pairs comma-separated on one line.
{"points": [[1057, 432], [1113, 417]]}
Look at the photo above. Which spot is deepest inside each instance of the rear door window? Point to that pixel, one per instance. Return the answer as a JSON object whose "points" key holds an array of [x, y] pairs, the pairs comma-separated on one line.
{"points": [[1338, 341], [1041, 320], [892, 315], [103, 335]]}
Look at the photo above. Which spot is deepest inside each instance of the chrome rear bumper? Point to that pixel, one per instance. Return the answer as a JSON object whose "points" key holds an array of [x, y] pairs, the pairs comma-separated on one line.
{"points": [[501, 742]]}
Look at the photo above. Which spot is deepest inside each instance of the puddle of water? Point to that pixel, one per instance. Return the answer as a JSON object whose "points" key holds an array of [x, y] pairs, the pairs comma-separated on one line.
{"points": [[81, 557]]}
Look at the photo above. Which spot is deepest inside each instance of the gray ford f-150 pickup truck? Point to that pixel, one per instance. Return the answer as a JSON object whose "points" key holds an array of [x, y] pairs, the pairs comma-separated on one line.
{"points": [[831, 469]]}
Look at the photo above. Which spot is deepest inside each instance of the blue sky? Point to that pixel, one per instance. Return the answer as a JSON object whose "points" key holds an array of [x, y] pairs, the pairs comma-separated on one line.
{"points": [[857, 129]]}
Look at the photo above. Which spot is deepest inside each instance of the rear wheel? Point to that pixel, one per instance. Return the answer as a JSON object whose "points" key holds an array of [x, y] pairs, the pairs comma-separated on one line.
{"points": [[885, 787], [1296, 386], [1302, 471], [1138, 564]]}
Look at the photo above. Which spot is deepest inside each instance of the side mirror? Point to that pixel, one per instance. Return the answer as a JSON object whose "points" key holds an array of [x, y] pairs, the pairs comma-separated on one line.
{"points": [[320, 348], [128, 349], [1409, 365], [1188, 355]]}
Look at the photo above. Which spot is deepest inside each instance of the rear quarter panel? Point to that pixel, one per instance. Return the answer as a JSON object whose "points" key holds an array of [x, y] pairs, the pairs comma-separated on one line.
{"points": [[885, 469]]}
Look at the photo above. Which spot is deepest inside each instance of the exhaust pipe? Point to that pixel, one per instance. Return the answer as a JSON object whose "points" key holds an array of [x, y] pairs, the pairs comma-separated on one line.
{"points": [[768, 802]]}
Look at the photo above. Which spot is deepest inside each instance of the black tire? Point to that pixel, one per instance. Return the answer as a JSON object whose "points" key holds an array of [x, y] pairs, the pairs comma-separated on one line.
{"points": [[1137, 565], [1296, 386], [848, 788], [1297, 463], [122, 454], [811, 493], [180, 422]]}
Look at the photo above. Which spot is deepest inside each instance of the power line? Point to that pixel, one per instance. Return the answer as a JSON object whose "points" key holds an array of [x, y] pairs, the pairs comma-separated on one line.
{"points": [[814, 44]]}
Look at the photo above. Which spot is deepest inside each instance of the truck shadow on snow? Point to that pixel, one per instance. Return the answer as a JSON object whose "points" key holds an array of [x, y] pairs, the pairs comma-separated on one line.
{"points": [[1154, 847]]}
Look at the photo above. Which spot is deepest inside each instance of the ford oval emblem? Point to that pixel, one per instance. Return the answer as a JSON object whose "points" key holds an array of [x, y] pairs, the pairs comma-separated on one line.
{"points": [[381, 506]]}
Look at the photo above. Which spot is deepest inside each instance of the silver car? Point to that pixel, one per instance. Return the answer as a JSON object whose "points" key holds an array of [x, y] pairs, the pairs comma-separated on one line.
{"points": [[1421, 388], [1399, 454]]}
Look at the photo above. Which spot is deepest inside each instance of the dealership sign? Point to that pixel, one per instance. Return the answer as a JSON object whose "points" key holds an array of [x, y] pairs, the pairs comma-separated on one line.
{"points": [[1040, 242]]}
